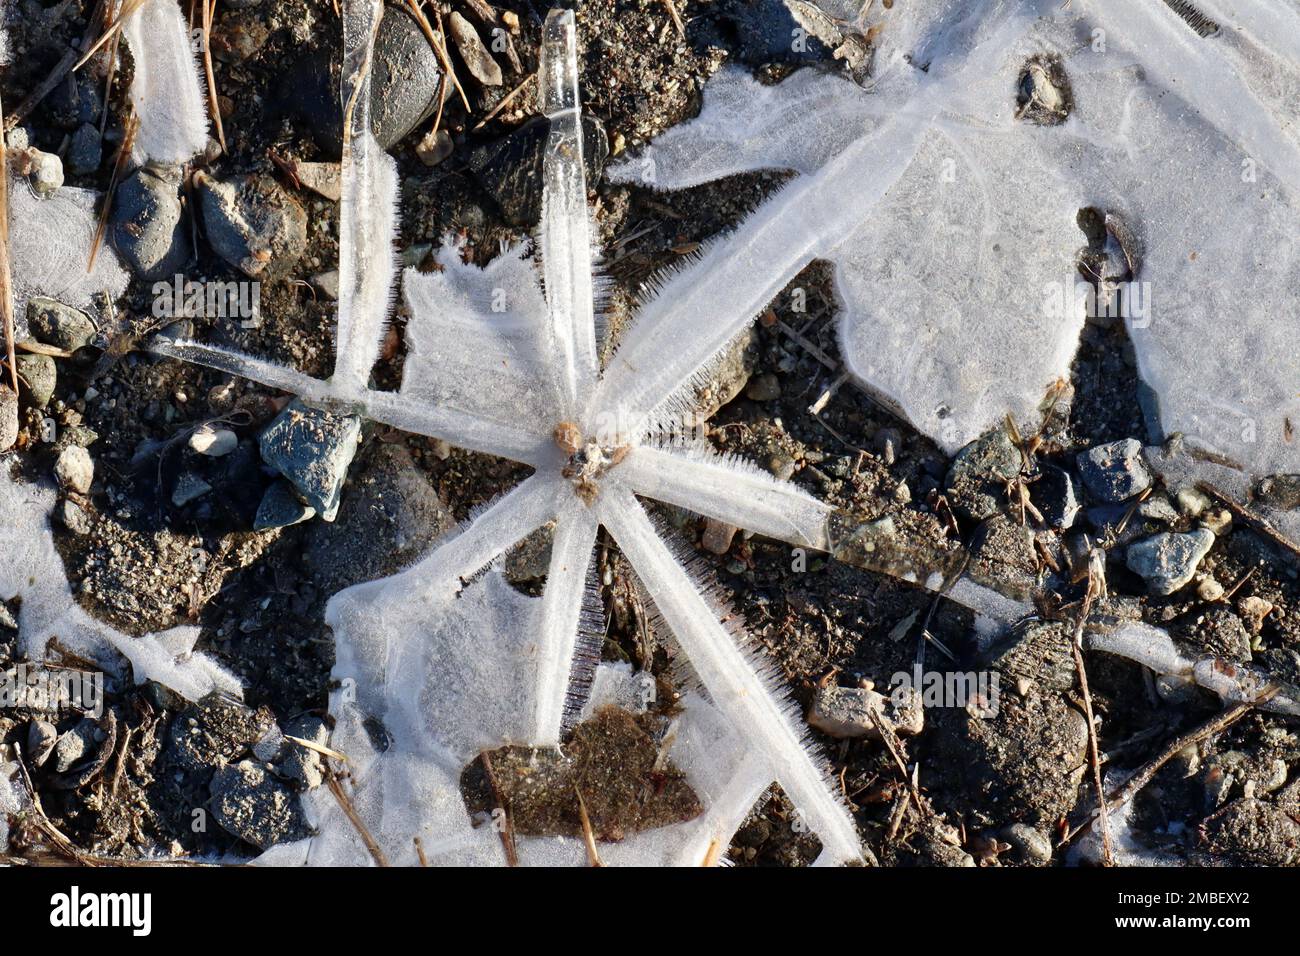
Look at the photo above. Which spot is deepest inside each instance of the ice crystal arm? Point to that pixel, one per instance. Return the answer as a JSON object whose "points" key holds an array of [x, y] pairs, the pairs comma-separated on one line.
{"points": [[508, 439], [728, 489], [49, 246], [368, 212], [565, 229], [165, 91], [730, 678], [557, 624]]}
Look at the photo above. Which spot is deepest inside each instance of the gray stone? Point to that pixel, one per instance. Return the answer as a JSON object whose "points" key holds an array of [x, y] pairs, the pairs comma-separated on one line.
{"points": [[189, 487], [8, 417], [253, 223], [74, 469], [1168, 561], [471, 49], [146, 225], [718, 536], [327, 284], [846, 712], [86, 151], [74, 746], [249, 803], [1159, 508], [38, 375], [59, 325], [302, 763], [41, 738], [530, 559], [1115, 471], [979, 474], [312, 448], [280, 507], [1030, 844], [73, 517]]}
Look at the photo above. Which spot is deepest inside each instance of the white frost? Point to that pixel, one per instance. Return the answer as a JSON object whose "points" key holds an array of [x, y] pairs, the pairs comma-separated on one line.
{"points": [[165, 91]]}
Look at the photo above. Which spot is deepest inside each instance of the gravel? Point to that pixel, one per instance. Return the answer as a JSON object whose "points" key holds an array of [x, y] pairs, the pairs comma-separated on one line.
{"points": [[147, 225], [1114, 472], [74, 469], [1168, 561]]}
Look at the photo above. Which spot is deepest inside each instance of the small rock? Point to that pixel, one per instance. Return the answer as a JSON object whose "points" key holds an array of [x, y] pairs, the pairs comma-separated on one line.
{"points": [[979, 474], [86, 151], [434, 147], [253, 223], [1158, 508], [280, 508], [8, 417], [73, 517], [302, 763], [213, 442], [1191, 501], [46, 172], [846, 712], [324, 179], [1053, 494], [312, 448], [763, 388], [1217, 521], [327, 284], [38, 376], [1208, 589], [1115, 471], [146, 226], [249, 803], [782, 465], [471, 49], [41, 737], [74, 469], [59, 325], [1253, 611], [189, 487], [1168, 561], [75, 745], [718, 536], [1029, 843]]}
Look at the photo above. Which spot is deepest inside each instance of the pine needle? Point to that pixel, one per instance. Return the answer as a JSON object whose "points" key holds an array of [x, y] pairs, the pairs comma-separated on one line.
{"points": [[128, 8], [209, 7], [437, 39]]}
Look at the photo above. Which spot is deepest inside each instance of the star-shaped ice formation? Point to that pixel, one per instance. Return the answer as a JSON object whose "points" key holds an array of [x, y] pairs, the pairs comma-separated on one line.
{"points": [[450, 675]]}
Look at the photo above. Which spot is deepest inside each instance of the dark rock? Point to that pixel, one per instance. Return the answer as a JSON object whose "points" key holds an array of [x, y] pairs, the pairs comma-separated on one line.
{"points": [[59, 325], [281, 507], [249, 803], [86, 151], [1053, 495], [763, 388], [189, 487], [302, 763], [403, 86], [1003, 557], [510, 168], [1115, 471], [74, 101], [1030, 844], [253, 223], [212, 733], [312, 448], [979, 473], [146, 226]]}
